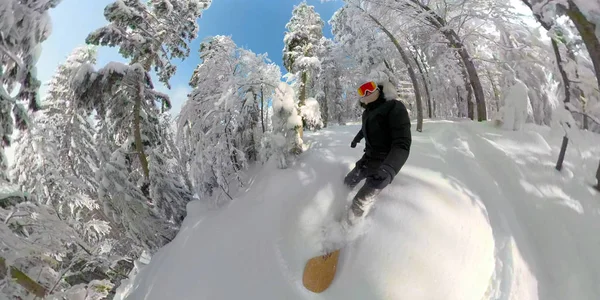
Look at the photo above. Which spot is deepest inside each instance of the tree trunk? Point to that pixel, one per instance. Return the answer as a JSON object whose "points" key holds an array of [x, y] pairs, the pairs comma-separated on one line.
{"points": [[455, 42], [262, 109], [429, 84], [563, 73], [564, 76], [567, 85], [577, 92], [587, 30], [302, 96], [429, 111], [137, 132], [253, 151], [495, 89], [411, 73], [598, 178], [266, 116], [392, 78], [475, 83], [586, 123], [563, 150], [325, 112], [459, 105], [302, 101], [470, 108], [559, 61]]}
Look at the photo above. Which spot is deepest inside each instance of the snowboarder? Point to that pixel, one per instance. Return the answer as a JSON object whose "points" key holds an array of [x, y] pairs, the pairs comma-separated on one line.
{"points": [[387, 133]]}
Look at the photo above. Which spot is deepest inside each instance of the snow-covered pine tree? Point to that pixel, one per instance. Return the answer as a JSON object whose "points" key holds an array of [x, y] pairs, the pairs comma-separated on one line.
{"points": [[150, 35], [129, 128], [301, 40], [168, 180], [55, 160], [130, 135], [55, 166], [206, 125], [24, 25], [153, 33]]}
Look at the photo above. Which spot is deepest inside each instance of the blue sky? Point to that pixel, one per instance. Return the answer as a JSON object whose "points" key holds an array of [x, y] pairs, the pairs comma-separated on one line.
{"points": [[258, 25]]}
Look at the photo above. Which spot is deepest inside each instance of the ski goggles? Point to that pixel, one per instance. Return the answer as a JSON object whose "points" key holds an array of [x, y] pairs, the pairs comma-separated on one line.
{"points": [[367, 88]]}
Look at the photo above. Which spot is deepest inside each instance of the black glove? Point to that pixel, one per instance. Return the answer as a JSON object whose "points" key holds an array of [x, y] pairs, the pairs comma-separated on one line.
{"points": [[353, 144], [381, 178]]}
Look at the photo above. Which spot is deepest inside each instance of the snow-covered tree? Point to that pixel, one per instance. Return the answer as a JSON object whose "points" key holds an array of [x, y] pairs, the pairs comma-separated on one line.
{"points": [[260, 76], [434, 15], [55, 160], [522, 55], [301, 40], [311, 114], [42, 252], [136, 168], [462, 57], [168, 180], [34, 239], [513, 113], [585, 16], [374, 39], [151, 34], [206, 125], [24, 25], [286, 142], [55, 166], [129, 125], [222, 125]]}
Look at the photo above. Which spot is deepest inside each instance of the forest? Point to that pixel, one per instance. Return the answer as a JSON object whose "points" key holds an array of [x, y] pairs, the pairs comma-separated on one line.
{"points": [[102, 173]]}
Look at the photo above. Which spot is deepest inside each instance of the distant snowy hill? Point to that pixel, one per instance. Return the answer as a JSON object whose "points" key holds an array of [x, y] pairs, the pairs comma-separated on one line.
{"points": [[477, 213]]}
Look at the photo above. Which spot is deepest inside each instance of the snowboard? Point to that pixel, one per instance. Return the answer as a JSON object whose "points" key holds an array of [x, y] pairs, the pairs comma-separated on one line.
{"points": [[319, 271]]}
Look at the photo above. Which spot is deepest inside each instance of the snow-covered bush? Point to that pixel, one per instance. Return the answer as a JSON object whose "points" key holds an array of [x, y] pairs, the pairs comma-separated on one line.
{"points": [[513, 114], [311, 114]]}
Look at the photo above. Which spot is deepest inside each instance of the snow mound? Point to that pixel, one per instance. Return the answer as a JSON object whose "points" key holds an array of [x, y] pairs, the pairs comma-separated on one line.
{"points": [[477, 213]]}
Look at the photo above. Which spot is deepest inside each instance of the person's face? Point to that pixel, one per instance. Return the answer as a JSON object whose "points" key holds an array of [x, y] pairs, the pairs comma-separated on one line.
{"points": [[370, 97]]}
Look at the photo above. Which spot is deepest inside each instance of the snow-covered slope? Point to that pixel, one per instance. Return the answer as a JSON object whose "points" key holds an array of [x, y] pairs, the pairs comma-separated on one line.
{"points": [[477, 213]]}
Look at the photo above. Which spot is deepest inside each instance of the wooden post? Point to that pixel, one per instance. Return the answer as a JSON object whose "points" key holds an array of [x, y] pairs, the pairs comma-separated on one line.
{"points": [[598, 178], [563, 150]]}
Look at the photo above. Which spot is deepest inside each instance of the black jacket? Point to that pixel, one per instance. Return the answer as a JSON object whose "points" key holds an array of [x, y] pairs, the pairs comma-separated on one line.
{"points": [[387, 133]]}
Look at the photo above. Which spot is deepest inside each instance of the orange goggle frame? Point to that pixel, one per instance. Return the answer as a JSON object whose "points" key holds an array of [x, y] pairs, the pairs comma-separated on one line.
{"points": [[367, 88]]}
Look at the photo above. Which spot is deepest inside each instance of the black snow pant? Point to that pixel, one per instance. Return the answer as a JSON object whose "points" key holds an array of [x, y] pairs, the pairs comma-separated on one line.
{"points": [[364, 199]]}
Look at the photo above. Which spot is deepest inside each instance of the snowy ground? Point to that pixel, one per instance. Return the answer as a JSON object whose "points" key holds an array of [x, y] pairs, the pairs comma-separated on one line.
{"points": [[477, 213]]}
